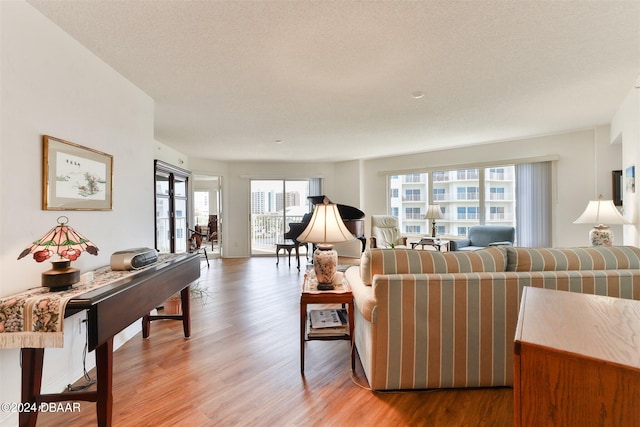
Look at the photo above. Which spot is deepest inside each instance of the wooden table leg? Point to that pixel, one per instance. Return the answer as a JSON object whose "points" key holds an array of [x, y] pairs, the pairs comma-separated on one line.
{"points": [[351, 327], [303, 321], [185, 298], [146, 325], [32, 359], [104, 374]]}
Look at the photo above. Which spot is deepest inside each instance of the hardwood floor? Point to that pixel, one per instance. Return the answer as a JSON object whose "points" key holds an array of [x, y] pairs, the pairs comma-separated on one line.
{"points": [[241, 366]]}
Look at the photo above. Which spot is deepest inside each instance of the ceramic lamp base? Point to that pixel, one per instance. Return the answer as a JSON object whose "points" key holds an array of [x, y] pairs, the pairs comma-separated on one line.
{"points": [[325, 264], [601, 235], [61, 277]]}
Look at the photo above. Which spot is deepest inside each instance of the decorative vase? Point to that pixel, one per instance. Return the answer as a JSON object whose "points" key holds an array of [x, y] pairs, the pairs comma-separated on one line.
{"points": [[325, 263], [601, 235]]}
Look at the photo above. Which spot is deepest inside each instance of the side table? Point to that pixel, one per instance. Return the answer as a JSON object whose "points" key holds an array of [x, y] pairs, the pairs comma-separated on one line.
{"points": [[310, 294], [430, 241]]}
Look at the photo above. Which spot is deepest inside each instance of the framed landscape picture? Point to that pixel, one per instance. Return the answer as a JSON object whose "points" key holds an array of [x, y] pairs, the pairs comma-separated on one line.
{"points": [[75, 177]]}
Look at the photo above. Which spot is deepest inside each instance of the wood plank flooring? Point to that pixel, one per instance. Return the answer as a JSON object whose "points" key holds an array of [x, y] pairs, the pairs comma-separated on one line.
{"points": [[241, 367]]}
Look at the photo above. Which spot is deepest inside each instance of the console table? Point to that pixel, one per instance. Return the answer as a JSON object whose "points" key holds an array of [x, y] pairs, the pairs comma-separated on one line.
{"points": [[110, 309], [577, 360]]}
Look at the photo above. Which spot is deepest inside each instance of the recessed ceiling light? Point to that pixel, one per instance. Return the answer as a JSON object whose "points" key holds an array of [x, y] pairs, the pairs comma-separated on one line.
{"points": [[417, 94], [279, 141]]}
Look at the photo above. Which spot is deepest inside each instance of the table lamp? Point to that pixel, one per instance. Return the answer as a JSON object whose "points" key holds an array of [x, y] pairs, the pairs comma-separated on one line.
{"points": [[599, 212], [433, 212], [324, 229], [68, 244]]}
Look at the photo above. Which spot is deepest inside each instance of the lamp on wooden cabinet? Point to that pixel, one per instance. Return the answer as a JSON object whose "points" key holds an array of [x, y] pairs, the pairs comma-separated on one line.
{"points": [[68, 244], [325, 228], [601, 212]]}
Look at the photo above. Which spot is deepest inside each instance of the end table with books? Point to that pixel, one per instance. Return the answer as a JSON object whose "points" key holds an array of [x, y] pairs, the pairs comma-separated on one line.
{"points": [[324, 329]]}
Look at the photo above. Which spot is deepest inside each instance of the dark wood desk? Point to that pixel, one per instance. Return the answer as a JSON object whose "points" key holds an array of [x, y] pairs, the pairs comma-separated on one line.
{"points": [[110, 309]]}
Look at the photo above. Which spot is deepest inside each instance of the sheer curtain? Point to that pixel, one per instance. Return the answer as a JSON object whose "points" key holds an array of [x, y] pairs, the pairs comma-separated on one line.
{"points": [[315, 186], [533, 204]]}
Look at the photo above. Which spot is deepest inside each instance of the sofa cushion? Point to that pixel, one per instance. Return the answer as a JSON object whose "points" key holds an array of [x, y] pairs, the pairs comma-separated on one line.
{"points": [[409, 261], [588, 258]]}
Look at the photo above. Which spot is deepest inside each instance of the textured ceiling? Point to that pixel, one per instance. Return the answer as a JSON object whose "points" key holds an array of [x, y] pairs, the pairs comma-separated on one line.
{"points": [[333, 80]]}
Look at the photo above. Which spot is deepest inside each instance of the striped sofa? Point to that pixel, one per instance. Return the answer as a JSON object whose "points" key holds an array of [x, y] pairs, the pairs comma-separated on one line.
{"points": [[427, 319]]}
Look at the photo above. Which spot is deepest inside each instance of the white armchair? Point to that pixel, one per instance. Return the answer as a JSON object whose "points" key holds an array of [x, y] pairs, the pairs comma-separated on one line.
{"points": [[385, 232]]}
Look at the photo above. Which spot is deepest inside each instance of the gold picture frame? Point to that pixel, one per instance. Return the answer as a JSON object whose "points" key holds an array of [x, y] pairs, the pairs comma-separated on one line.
{"points": [[75, 177]]}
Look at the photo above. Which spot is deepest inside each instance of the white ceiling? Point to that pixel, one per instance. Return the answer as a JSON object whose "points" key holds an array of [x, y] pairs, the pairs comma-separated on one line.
{"points": [[333, 79]]}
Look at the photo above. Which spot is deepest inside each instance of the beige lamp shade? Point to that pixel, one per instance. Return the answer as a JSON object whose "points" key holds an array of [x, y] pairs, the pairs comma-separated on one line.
{"points": [[325, 226], [434, 212], [324, 229], [601, 212]]}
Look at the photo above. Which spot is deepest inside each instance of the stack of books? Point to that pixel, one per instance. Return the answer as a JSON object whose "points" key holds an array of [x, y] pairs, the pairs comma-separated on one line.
{"points": [[328, 322]]}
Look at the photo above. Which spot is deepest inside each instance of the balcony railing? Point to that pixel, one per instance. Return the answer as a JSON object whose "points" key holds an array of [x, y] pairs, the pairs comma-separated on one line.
{"points": [[267, 229]]}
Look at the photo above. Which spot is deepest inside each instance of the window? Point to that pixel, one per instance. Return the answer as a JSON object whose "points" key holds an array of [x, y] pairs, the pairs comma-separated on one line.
{"points": [[496, 193], [466, 197], [496, 212], [171, 184], [412, 194], [394, 193], [201, 207], [412, 213], [412, 229], [274, 205]]}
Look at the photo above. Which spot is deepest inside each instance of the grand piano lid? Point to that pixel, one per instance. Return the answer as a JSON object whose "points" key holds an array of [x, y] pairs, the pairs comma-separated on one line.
{"points": [[346, 211]]}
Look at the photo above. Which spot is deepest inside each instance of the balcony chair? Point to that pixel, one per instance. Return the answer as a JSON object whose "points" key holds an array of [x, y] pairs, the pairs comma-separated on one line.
{"points": [[385, 232]]}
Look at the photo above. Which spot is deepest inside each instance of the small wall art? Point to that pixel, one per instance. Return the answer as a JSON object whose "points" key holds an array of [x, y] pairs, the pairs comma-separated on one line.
{"points": [[630, 178], [75, 177]]}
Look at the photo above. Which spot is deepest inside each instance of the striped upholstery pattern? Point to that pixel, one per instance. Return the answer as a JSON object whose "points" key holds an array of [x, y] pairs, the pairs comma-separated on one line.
{"points": [[408, 261], [591, 258], [456, 329]]}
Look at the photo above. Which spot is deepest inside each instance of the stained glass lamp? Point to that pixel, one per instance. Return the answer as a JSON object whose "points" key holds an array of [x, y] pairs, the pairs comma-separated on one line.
{"points": [[68, 244]]}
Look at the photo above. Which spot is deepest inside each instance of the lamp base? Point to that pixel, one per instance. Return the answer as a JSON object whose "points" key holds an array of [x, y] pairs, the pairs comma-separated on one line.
{"points": [[61, 277], [601, 235], [325, 264]]}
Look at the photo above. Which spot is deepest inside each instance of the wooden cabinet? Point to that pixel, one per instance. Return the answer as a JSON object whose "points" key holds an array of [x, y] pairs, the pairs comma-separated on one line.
{"points": [[577, 360]]}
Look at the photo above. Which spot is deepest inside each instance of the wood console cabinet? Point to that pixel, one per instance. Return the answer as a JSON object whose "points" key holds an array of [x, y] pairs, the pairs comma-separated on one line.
{"points": [[577, 360]]}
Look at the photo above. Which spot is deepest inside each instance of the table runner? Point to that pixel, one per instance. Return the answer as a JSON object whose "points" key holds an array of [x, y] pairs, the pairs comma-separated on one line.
{"points": [[35, 318]]}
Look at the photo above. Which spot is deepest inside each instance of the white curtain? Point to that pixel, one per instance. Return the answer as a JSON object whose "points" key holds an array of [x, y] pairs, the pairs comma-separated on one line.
{"points": [[533, 204], [315, 186]]}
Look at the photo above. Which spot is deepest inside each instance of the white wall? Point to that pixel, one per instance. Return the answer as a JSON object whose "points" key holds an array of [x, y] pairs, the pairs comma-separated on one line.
{"points": [[575, 173], [625, 129], [52, 85]]}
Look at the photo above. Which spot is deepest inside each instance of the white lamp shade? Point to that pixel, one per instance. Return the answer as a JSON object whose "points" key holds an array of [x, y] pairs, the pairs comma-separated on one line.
{"points": [[325, 226], [434, 212], [601, 212]]}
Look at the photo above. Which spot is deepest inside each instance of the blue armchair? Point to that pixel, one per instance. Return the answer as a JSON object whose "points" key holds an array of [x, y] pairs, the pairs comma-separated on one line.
{"points": [[481, 236]]}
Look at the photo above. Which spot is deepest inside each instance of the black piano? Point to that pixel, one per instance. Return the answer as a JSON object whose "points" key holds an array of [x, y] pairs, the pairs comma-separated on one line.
{"points": [[353, 219]]}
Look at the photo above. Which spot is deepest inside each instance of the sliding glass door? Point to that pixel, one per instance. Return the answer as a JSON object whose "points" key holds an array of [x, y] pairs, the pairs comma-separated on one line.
{"points": [[274, 205]]}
